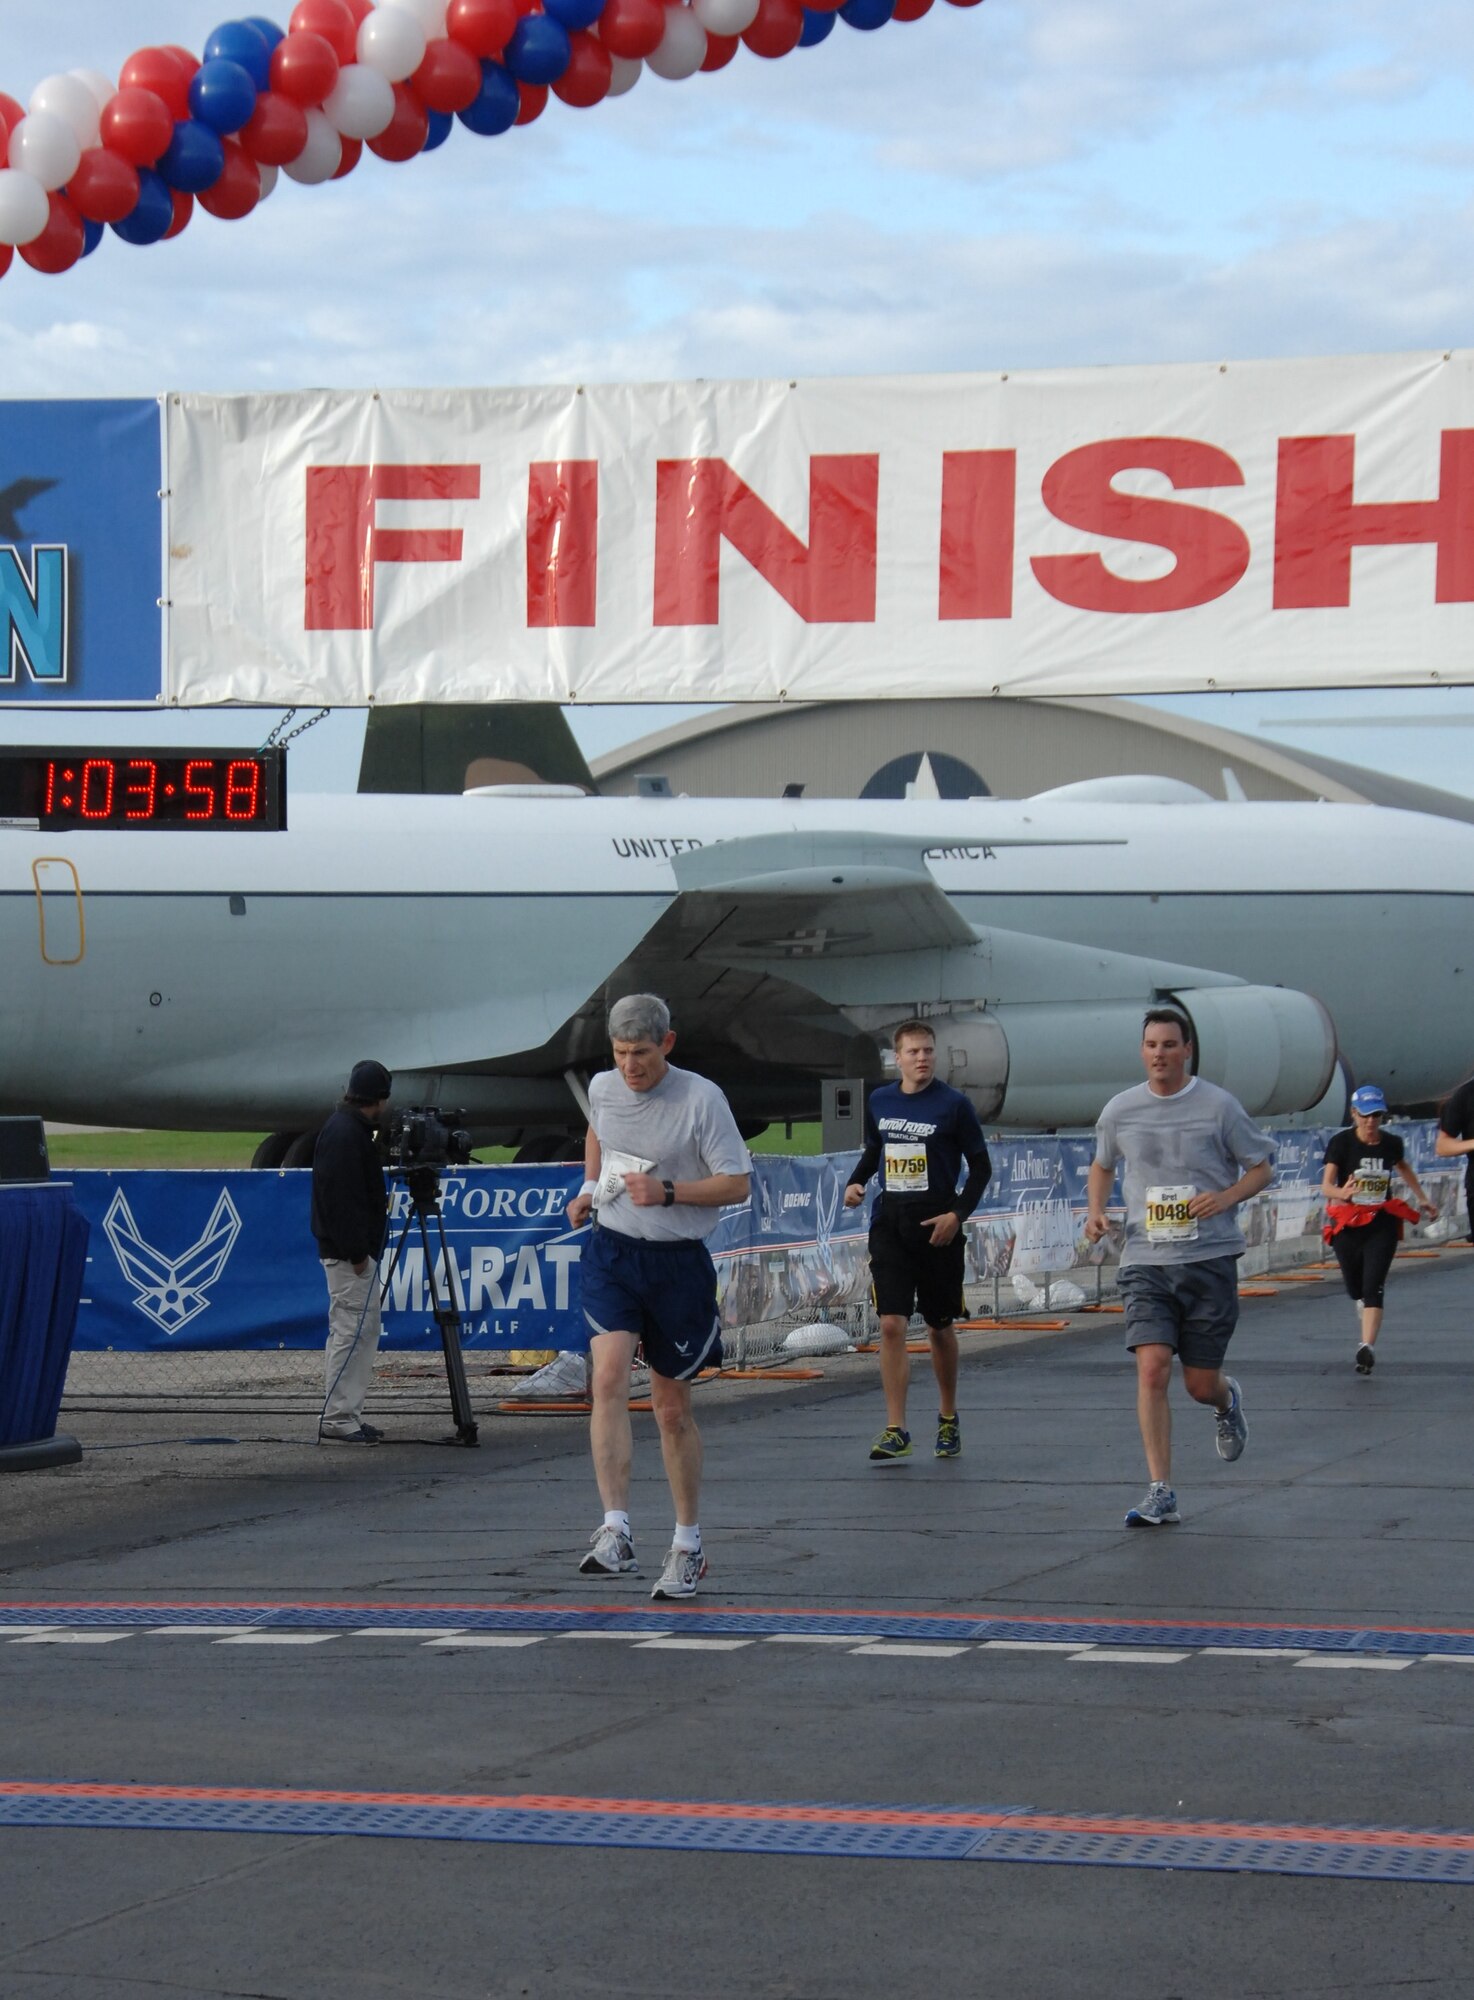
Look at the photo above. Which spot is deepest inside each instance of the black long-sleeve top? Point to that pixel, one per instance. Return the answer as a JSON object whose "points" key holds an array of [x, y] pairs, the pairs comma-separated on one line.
{"points": [[349, 1200]]}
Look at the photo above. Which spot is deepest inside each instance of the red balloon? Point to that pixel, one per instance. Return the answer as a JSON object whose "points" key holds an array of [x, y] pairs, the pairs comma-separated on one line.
{"points": [[276, 130], [160, 71], [632, 27], [183, 210], [238, 189], [7, 257], [586, 79], [352, 154], [105, 186], [60, 243], [720, 50], [482, 26], [534, 97], [11, 113], [137, 124], [188, 63], [911, 10], [449, 78], [304, 67], [777, 28], [408, 129], [360, 10], [333, 20]]}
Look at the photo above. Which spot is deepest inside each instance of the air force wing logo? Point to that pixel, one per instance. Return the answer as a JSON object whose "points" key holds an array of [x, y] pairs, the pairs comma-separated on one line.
{"points": [[172, 1290]]}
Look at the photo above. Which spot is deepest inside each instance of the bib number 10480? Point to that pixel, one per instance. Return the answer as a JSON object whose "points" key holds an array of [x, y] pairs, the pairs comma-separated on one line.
{"points": [[1167, 1217]]}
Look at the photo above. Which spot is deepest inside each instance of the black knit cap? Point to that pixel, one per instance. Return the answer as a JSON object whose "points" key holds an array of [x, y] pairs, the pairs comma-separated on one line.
{"points": [[369, 1083]]}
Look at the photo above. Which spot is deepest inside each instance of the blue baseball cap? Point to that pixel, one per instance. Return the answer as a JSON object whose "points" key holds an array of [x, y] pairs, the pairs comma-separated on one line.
{"points": [[1368, 1100]]}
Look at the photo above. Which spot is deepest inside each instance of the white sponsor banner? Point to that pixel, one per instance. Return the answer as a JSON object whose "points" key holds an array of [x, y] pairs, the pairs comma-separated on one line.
{"points": [[1126, 530]]}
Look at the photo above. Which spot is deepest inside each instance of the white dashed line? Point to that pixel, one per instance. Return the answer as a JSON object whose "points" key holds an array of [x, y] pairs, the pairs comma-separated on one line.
{"points": [[195, 1631], [415, 1632], [1129, 1656], [1251, 1652], [1030, 1646], [851, 1639], [692, 1645], [1341, 1660], [56, 1637], [922, 1651], [490, 1639], [610, 1635], [277, 1639]]}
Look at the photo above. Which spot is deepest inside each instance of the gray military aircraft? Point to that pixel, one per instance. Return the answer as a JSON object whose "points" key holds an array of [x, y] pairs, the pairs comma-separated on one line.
{"points": [[226, 979]]}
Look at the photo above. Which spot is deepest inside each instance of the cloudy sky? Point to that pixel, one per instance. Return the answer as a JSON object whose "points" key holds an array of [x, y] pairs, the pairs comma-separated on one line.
{"points": [[1020, 184]]}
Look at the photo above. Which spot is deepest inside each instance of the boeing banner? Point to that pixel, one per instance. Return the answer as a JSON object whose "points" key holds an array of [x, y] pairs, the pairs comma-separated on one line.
{"points": [[81, 526], [197, 1260]]}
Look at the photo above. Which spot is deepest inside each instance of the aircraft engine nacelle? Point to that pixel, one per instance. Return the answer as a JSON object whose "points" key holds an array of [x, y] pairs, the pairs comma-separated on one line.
{"points": [[1050, 1064]]}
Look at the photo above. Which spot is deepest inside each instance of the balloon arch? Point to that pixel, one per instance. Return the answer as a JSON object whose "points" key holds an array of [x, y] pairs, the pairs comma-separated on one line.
{"points": [[174, 130]]}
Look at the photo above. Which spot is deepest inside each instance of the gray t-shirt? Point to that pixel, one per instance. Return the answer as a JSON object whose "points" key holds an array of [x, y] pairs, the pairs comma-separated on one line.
{"points": [[1200, 1141], [684, 1128]]}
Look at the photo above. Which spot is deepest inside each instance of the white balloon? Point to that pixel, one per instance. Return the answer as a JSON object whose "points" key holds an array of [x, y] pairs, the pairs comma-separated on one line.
{"points": [[361, 103], [45, 147], [682, 48], [321, 157], [725, 17], [624, 74], [429, 13], [269, 177], [102, 87], [69, 99], [392, 42], [24, 209]]}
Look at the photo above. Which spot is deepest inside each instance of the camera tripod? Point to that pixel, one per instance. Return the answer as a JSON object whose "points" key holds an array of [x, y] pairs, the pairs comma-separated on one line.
{"points": [[423, 1184]]}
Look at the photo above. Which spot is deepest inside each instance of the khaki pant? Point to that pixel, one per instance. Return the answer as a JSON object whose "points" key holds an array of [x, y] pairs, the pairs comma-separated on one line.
{"points": [[353, 1341]]}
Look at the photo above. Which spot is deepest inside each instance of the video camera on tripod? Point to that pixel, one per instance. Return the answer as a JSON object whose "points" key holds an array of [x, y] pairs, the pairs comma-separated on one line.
{"points": [[418, 1143]]}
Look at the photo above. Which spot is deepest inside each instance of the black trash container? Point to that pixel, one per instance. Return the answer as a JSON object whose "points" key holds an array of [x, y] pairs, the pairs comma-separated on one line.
{"points": [[43, 1260]]}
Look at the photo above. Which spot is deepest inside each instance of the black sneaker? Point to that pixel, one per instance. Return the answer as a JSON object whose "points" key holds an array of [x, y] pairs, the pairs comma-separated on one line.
{"points": [[364, 1434], [949, 1438], [892, 1443], [1366, 1359]]}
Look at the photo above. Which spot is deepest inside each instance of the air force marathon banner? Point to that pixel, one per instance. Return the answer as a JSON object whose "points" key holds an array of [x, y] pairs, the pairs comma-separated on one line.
{"points": [[196, 1260], [1106, 531]]}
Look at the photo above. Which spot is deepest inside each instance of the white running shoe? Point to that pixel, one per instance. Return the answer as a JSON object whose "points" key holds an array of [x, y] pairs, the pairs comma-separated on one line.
{"points": [[610, 1554], [684, 1569]]}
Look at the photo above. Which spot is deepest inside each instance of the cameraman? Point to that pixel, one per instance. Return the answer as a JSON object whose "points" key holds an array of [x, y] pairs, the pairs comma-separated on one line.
{"points": [[349, 1211]]}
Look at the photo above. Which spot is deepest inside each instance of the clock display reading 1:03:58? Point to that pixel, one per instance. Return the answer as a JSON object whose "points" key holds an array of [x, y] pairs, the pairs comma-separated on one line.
{"points": [[217, 791]]}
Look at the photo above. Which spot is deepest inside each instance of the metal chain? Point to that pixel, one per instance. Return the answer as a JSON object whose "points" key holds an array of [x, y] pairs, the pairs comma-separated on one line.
{"points": [[276, 738]]}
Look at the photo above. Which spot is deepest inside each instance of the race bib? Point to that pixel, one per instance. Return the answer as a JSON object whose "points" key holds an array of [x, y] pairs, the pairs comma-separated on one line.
{"points": [[905, 1169], [613, 1166], [1370, 1186], [1167, 1219]]}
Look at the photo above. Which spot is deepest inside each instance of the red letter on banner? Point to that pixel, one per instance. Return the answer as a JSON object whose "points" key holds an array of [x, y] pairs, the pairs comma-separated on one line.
{"points": [[1212, 551], [343, 544], [563, 542], [977, 534], [699, 502], [1317, 523]]}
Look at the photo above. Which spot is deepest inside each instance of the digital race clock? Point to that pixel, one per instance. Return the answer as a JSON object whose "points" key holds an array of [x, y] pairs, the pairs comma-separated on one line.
{"points": [[218, 791]]}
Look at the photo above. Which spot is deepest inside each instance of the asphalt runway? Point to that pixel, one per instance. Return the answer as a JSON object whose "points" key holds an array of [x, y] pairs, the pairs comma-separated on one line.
{"points": [[313, 1724]]}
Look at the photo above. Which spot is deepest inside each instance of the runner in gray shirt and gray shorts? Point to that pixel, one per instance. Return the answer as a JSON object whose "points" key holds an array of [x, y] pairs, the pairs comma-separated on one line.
{"points": [[1190, 1154]]}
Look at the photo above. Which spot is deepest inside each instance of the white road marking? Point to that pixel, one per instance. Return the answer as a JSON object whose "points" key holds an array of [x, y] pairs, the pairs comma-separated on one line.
{"points": [[490, 1639], [924, 1651], [1448, 1659], [195, 1631], [1030, 1646], [57, 1637], [276, 1639], [852, 1639], [1127, 1656], [1253, 1652], [640, 1633], [416, 1632], [1341, 1660], [693, 1645]]}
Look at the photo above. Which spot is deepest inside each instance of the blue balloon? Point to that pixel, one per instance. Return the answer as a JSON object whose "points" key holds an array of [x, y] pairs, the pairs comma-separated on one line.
{"points": [[574, 14], [867, 13], [222, 95], [152, 213], [494, 108], [242, 42], [538, 51], [270, 32], [92, 235], [440, 123], [816, 27], [194, 158]]}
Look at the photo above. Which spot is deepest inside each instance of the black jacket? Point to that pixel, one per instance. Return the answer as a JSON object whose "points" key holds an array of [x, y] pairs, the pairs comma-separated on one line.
{"points": [[349, 1202]]}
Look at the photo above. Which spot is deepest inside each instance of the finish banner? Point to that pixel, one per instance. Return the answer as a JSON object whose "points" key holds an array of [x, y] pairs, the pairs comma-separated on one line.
{"points": [[1135, 530]]}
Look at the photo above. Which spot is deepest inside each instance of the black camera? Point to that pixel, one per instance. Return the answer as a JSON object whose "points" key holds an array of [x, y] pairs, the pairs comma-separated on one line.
{"points": [[421, 1137]]}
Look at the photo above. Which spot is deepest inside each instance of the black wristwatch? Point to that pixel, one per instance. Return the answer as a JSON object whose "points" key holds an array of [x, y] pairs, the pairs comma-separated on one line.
{"points": [[670, 1193]]}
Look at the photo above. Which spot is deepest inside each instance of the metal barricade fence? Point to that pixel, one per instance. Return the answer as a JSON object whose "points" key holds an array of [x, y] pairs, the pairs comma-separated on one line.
{"points": [[773, 1304]]}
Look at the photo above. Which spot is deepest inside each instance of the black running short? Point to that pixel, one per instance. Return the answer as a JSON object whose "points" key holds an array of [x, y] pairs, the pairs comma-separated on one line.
{"points": [[908, 1274], [1365, 1255]]}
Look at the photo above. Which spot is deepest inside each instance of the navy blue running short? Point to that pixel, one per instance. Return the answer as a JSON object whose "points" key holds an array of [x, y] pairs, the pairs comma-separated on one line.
{"points": [[665, 1293], [1192, 1308]]}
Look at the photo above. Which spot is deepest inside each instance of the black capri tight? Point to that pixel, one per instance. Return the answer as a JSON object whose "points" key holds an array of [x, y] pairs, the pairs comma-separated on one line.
{"points": [[1365, 1255]]}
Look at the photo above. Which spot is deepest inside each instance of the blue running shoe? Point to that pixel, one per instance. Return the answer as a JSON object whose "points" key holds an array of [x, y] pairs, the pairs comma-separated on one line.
{"points": [[1158, 1510], [892, 1443]]}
